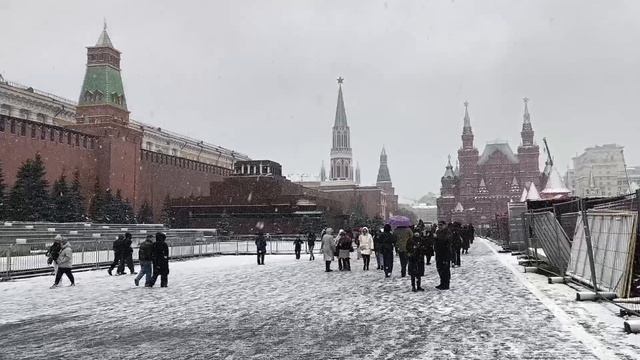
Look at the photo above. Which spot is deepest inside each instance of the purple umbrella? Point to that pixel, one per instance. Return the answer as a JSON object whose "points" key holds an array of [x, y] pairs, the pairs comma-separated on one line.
{"points": [[399, 221]]}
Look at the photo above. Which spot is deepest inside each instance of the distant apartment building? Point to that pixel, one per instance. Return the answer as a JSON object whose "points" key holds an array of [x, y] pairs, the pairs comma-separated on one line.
{"points": [[600, 171]]}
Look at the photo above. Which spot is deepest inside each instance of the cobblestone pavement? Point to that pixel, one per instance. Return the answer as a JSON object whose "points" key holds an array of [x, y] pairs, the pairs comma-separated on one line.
{"points": [[230, 308]]}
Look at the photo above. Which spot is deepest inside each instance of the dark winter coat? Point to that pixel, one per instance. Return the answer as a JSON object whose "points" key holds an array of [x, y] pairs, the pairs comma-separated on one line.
{"points": [[466, 240], [126, 247], [456, 238], [297, 244], [377, 243], [415, 253], [311, 240], [118, 246], [145, 252], [428, 243], [53, 252], [442, 245], [387, 242], [261, 244], [160, 255]]}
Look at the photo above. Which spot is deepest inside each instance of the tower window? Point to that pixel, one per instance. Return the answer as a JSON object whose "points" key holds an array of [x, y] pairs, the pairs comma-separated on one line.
{"points": [[43, 132], [23, 129]]}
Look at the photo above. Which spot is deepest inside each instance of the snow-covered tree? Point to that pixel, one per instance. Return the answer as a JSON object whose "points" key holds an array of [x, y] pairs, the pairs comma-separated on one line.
{"points": [[29, 199]]}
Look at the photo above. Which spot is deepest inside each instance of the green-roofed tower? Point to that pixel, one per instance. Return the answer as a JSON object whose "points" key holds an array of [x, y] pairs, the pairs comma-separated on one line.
{"points": [[102, 96]]}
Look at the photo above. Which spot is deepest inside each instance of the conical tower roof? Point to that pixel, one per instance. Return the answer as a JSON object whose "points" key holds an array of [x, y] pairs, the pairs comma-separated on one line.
{"points": [[383, 170], [448, 173], [104, 40], [341, 114]]}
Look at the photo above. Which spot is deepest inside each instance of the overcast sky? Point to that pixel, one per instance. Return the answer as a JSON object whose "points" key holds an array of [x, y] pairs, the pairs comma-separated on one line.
{"points": [[259, 76]]}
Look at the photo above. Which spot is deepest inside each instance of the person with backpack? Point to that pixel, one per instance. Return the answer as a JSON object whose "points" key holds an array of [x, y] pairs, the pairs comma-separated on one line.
{"points": [[53, 252], [311, 243], [65, 263], [160, 260], [297, 247], [145, 255]]}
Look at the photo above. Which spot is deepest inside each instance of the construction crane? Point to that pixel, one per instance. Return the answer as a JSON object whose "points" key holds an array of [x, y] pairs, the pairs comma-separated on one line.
{"points": [[549, 158]]}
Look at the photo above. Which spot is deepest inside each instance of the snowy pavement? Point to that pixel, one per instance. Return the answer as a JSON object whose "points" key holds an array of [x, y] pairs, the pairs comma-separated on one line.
{"points": [[230, 308]]}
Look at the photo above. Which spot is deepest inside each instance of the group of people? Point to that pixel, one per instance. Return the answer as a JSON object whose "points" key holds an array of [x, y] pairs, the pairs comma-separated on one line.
{"points": [[412, 244], [153, 257]]}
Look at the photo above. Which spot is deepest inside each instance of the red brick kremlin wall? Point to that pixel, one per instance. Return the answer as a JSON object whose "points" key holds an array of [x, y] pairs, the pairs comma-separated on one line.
{"points": [[62, 151], [110, 152]]}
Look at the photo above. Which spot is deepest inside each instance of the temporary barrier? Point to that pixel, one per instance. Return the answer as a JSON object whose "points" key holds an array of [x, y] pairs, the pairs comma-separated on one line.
{"points": [[613, 239], [551, 237], [517, 235]]}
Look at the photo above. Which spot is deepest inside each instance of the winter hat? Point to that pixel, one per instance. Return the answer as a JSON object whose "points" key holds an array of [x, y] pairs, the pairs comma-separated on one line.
{"points": [[58, 237]]}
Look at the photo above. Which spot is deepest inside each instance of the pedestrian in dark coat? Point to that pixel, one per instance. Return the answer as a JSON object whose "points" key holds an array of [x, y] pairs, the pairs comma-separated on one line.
{"points": [[145, 255], [415, 255], [345, 248], [297, 247], [53, 252], [429, 237], [377, 248], [261, 248], [456, 243], [127, 253], [160, 260], [466, 240], [311, 243], [388, 242], [117, 256], [402, 235], [442, 247]]}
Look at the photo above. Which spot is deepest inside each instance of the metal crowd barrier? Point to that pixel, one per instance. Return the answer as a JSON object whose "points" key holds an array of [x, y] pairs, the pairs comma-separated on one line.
{"points": [[26, 259]]}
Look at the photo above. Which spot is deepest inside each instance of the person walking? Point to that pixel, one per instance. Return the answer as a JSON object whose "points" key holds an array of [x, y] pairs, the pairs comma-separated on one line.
{"points": [[377, 247], [145, 255], [117, 255], [366, 247], [466, 240], [65, 263], [345, 248], [261, 248], [388, 243], [160, 260], [311, 243], [297, 247], [415, 256], [428, 242], [403, 234], [53, 252], [442, 247], [127, 254], [456, 243], [328, 248]]}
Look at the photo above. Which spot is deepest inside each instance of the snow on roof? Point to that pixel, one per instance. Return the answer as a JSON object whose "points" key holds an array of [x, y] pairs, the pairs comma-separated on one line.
{"points": [[502, 147], [458, 208], [525, 192], [533, 193], [555, 185]]}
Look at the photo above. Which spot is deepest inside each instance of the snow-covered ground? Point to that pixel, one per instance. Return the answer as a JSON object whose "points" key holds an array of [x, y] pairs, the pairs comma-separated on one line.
{"points": [[230, 308]]}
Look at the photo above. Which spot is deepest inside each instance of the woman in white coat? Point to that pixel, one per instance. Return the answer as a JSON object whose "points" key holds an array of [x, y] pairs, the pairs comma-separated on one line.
{"points": [[328, 248], [366, 247]]}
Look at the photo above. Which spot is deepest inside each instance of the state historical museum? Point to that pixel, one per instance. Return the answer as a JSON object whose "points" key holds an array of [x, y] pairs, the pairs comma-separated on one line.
{"points": [[480, 188]]}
